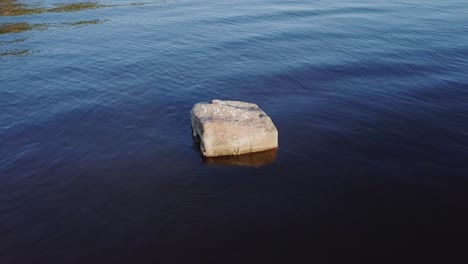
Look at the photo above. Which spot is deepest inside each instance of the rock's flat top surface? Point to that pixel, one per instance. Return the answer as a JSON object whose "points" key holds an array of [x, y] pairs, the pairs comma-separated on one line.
{"points": [[237, 111], [232, 128]]}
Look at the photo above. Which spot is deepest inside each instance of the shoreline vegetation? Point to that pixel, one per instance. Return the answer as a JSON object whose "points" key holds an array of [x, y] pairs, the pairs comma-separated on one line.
{"points": [[12, 28], [14, 8]]}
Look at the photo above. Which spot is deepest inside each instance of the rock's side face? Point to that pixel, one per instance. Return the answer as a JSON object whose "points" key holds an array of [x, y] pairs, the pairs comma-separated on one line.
{"points": [[232, 128]]}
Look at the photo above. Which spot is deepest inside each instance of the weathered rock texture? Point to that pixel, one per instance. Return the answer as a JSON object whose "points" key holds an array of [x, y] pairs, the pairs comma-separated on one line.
{"points": [[232, 128]]}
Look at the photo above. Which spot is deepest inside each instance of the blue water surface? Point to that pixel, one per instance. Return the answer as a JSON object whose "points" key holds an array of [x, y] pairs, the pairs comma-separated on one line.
{"points": [[97, 162]]}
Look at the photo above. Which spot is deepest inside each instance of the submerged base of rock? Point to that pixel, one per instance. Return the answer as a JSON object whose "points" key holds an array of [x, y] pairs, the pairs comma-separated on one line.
{"points": [[232, 128], [255, 159]]}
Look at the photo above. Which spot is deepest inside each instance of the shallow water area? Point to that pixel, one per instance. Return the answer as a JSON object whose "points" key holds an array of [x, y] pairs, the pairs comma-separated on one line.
{"points": [[98, 165]]}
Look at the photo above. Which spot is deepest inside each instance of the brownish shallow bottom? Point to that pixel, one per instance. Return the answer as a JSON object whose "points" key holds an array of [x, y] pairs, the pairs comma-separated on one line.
{"points": [[256, 159]]}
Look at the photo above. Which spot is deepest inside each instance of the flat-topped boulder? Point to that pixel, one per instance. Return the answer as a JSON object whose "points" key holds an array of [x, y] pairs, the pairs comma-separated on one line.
{"points": [[232, 128]]}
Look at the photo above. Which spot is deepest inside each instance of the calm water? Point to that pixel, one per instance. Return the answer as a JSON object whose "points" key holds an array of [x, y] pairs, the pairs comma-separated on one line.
{"points": [[97, 163]]}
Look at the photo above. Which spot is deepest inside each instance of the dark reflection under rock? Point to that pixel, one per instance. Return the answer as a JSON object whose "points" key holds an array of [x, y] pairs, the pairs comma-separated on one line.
{"points": [[257, 159]]}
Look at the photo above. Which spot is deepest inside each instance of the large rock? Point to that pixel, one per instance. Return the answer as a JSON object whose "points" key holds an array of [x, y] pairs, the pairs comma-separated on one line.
{"points": [[232, 128]]}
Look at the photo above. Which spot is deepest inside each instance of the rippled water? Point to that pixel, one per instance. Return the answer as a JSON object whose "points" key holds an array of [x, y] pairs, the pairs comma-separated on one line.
{"points": [[97, 163]]}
